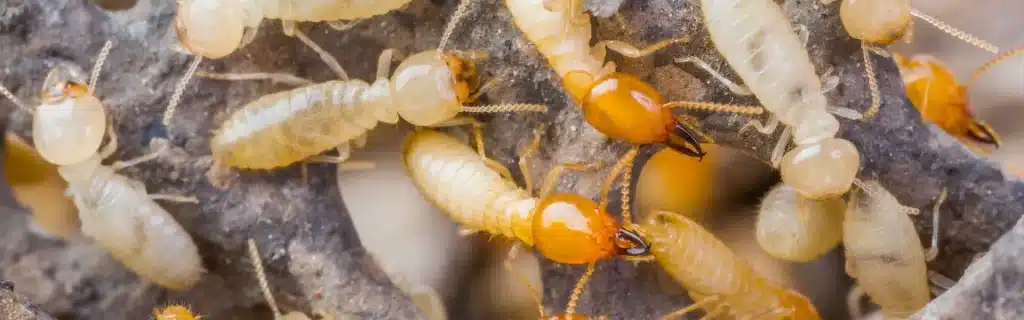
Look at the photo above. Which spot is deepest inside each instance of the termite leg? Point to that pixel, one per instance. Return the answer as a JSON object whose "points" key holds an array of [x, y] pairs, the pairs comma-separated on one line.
{"points": [[111, 146], [512, 253], [174, 198], [552, 177], [933, 251], [478, 137], [845, 112], [829, 81], [291, 30], [629, 50], [384, 63], [780, 146], [853, 302], [764, 128], [737, 89], [693, 306], [342, 159], [275, 77], [341, 25], [143, 158], [524, 168]]}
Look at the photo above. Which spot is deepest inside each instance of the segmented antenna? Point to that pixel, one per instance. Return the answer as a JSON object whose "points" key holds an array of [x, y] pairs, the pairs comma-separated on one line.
{"points": [[257, 263], [991, 63], [495, 108], [966, 37], [179, 90], [460, 11], [869, 69], [99, 65]]}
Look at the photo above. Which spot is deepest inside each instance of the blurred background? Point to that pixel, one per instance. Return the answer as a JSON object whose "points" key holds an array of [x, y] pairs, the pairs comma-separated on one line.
{"points": [[463, 277]]}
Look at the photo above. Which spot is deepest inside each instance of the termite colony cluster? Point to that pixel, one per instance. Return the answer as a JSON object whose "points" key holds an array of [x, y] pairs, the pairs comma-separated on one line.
{"points": [[820, 202]]}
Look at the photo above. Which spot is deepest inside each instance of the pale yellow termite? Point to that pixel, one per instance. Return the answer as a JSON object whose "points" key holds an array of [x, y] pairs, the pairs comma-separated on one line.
{"points": [[883, 251], [793, 228], [714, 276], [115, 211], [564, 227]]}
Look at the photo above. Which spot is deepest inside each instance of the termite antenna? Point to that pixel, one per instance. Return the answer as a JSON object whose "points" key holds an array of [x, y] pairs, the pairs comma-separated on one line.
{"points": [[992, 62], [869, 70], [959, 34], [179, 90], [570, 309], [460, 11], [14, 99], [257, 263], [715, 107], [95, 76], [497, 108]]}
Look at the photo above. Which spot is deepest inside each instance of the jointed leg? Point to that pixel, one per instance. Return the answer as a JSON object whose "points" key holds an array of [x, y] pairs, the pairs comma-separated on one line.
{"points": [[111, 146], [342, 159], [512, 253], [478, 137], [143, 158], [276, 77], [524, 167], [693, 306], [341, 25], [737, 89], [764, 128], [780, 146], [552, 177], [289, 26], [173, 198], [630, 51], [933, 251], [384, 63]]}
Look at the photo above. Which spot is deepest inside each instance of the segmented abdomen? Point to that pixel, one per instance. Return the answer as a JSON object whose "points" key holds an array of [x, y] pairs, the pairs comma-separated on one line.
{"points": [[565, 44], [706, 266], [758, 41], [884, 253], [454, 177], [327, 10], [282, 128], [117, 213]]}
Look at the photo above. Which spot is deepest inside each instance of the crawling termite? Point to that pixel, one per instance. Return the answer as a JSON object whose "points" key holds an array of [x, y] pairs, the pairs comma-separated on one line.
{"points": [[216, 28], [617, 104], [757, 40], [564, 227], [936, 93], [115, 211], [883, 251], [793, 228], [719, 281]]}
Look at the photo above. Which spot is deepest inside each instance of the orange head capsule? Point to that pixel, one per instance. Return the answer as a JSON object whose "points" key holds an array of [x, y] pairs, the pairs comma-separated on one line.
{"points": [[572, 229], [933, 89], [464, 76], [800, 307], [626, 108]]}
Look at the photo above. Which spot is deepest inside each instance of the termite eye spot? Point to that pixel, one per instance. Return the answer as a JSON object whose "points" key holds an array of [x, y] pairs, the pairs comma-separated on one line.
{"points": [[464, 75]]}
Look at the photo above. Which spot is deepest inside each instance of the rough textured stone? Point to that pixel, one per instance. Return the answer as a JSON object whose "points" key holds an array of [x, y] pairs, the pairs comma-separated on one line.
{"points": [[313, 257]]}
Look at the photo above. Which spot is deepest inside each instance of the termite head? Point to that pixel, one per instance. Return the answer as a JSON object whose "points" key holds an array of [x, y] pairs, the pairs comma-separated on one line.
{"points": [[210, 28], [69, 126], [821, 170], [800, 307], [175, 312], [572, 229], [626, 108], [430, 87], [462, 66], [982, 132], [879, 22]]}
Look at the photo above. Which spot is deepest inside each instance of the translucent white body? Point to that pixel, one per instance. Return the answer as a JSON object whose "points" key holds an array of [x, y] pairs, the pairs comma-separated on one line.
{"points": [[823, 170], [455, 178], [69, 130], [563, 38], [214, 28], [118, 214], [758, 41], [793, 228], [883, 252], [282, 128]]}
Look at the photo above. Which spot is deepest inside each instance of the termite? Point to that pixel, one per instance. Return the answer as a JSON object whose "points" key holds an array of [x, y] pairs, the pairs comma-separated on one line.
{"points": [[115, 211], [564, 227], [941, 99], [757, 40], [175, 312], [883, 251], [793, 228], [880, 23], [617, 104], [38, 186], [429, 88], [714, 275]]}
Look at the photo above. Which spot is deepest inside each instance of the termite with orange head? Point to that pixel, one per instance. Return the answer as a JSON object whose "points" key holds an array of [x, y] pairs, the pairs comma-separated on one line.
{"points": [[115, 210], [617, 104], [429, 88], [936, 93], [564, 227], [883, 251]]}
